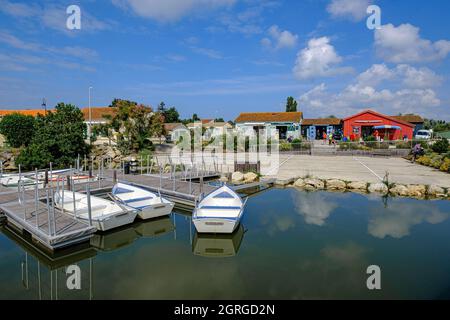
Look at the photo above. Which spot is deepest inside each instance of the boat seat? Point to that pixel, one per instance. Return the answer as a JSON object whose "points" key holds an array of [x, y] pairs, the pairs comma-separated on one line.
{"points": [[219, 208], [138, 199]]}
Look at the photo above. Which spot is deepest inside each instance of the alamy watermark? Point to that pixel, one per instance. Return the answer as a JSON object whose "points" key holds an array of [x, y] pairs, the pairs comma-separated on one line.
{"points": [[226, 146], [74, 277], [374, 280], [374, 20], [73, 21]]}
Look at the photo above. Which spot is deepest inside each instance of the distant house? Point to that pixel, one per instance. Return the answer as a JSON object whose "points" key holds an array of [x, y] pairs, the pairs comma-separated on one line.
{"points": [[98, 115], [314, 128], [416, 120], [172, 131], [212, 128], [288, 124], [26, 112]]}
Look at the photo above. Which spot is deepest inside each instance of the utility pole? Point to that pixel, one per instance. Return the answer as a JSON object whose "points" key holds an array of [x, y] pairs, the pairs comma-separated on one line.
{"points": [[44, 105]]}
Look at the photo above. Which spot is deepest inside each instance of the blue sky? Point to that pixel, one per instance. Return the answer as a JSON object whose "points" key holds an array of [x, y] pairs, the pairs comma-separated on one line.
{"points": [[217, 58]]}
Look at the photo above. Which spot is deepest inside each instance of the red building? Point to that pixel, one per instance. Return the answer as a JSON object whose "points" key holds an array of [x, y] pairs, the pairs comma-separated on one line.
{"points": [[368, 123]]}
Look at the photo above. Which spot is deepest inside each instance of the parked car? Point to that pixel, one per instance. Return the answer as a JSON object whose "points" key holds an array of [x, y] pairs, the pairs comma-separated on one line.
{"points": [[424, 134]]}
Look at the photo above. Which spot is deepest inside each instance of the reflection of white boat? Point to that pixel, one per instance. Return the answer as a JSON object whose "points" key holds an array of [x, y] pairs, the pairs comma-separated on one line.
{"points": [[219, 212], [105, 214], [149, 204], [155, 227], [218, 245], [115, 239]]}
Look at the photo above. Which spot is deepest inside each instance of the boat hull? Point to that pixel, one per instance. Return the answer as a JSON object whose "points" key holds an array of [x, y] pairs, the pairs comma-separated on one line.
{"points": [[155, 211], [113, 221], [215, 225]]}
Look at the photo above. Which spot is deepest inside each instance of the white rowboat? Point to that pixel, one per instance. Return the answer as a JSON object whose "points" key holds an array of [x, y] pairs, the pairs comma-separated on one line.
{"points": [[148, 204], [105, 214], [219, 212]]}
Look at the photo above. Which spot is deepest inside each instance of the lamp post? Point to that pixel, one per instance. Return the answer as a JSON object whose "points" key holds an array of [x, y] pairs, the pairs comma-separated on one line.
{"points": [[90, 115]]}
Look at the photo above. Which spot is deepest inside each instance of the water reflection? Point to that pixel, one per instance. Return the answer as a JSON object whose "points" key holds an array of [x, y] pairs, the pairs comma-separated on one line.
{"points": [[397, 219], [218, 245], [43, 273], [123, 237], [315, 207]]}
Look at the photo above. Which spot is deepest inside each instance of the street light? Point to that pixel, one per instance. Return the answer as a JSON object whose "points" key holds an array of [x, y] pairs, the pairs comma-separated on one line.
{"points": [[90, 114]]}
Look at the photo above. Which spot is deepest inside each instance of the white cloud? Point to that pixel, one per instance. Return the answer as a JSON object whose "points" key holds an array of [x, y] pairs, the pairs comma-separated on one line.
{"points": [[279, 39], [170, 10], [73, 51], [314, 207], [401, 89], [17, 9], [354, 10], [210, 53], [405, 74], [319, 59], [403, 44], [397, 220]]}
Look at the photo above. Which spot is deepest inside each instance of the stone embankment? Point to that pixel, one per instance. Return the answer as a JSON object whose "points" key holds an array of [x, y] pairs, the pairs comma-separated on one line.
{"points": [[384, 188]]}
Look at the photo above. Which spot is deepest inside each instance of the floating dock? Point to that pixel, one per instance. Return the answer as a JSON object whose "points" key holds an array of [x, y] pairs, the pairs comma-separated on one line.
{"points": [[54, 231], [31, 211]]}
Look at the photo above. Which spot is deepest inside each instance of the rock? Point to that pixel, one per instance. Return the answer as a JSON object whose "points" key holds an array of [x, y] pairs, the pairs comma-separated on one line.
{"points": [[335, 184], [436, 191], [237, 176], [223, 179], [309, 187], [250, 177], [399, 190], [299, 183], [378, 187], [357, 185], [315, 183], [416, 190]]}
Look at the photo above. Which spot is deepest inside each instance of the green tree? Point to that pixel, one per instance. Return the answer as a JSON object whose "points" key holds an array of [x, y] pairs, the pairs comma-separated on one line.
{"points": [[291, 105], [162, 107], [171, 115], [157, 126], [59, 138], [219, 120], [134, 124], [18, 129], [195, 117]]}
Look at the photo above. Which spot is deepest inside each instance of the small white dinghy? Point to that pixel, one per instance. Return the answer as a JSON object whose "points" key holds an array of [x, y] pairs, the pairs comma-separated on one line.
{"points": [[148, 204], [219, 212], [105, 214]]}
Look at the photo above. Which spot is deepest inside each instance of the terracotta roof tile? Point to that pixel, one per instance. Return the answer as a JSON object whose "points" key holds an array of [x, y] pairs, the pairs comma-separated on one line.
{"points": [[412, 118], [322, 121], [26, 112], [269, 117], [98, 113]]}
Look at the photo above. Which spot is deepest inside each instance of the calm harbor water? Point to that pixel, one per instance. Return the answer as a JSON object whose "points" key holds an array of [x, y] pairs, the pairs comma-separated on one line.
{"points": [[292, 245]]}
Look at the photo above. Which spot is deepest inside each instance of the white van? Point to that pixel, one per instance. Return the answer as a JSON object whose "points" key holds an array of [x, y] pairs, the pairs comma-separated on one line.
{"points": [[424, 134]]}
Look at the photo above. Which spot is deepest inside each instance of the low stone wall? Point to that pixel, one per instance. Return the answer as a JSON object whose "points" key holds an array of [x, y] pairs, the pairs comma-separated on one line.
{"points": [[402, 190]]}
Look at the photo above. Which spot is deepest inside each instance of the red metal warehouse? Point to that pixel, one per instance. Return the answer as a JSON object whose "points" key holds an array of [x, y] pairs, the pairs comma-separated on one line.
{"points": [[368, 122]]}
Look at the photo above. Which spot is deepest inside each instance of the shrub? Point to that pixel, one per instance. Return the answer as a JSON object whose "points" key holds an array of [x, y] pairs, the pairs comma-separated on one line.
{"points": [[440, 146], [445, 166], [284, 146]]}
